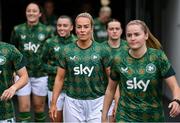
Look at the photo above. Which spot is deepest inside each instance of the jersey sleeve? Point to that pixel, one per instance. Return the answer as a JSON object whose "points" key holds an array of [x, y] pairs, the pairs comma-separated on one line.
{"points": [[166, 69], [62, 59], [17, 59], [14, 38], [114, 74], [50, 69], [50, 32], [107, 58]]}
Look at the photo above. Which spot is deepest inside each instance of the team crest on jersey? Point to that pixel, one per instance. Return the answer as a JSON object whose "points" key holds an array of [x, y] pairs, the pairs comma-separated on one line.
{"points": [[124, 69], [2, 60], [41, 37], [56, 49], [95, 57], [23, 37], [150, 68]]}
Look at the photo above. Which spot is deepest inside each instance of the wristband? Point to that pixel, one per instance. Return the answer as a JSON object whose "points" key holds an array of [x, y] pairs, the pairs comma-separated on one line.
{"points": [[176, 100]]}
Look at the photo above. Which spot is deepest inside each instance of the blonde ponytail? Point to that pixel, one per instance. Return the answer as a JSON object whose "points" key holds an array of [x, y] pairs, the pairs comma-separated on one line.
{"points": [[152, 41]]}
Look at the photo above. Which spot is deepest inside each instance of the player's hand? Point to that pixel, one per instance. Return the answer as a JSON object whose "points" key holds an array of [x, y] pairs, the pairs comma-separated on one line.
{"points": [[8, 93], [53, 112], [174, 109]]}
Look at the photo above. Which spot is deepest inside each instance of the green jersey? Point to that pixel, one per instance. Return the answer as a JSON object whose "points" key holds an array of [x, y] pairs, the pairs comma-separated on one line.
{"points": [[100, 32], [85, 70], [10, 60], [123, 46], [141, 85], [50, 55], [30, 41], [50, 21]]}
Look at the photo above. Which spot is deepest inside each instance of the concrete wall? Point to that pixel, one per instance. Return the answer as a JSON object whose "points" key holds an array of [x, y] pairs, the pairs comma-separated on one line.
{"points": [[171, 36]]}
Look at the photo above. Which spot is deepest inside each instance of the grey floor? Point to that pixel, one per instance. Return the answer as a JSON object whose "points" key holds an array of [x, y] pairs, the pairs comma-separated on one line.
{"points": [[166, 110]]}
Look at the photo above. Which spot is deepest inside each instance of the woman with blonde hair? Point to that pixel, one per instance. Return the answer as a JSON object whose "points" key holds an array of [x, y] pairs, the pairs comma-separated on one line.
{"points": [[85, 63], [140, 71]]}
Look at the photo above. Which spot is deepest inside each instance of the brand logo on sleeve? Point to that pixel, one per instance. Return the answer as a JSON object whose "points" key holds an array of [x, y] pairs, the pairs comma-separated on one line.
{"points": [[134, 84], [31, 47], [2, 60], [80, 70]]}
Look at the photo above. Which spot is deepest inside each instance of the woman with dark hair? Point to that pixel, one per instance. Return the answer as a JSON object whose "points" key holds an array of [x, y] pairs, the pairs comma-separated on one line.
{"points": [[29, 38]]}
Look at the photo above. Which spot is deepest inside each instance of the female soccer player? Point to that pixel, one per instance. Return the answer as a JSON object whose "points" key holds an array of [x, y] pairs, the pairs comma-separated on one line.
{"points": [[85, 63], [29, 38], [50, 56], [11, 60], [140, 71]]}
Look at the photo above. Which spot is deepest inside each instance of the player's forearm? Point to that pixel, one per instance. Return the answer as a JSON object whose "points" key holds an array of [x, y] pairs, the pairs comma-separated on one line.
{"points": [[107, 102], [23, 79], [58, 85], [109, 95]]}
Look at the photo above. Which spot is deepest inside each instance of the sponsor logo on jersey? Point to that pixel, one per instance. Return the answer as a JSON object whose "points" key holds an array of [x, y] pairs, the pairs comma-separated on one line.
{"points": [[134, 84], [80, 70], [150, 68], [124, 70], [31, 47], [23, 37], [2, 60], [56, 49], [41, 37]]}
